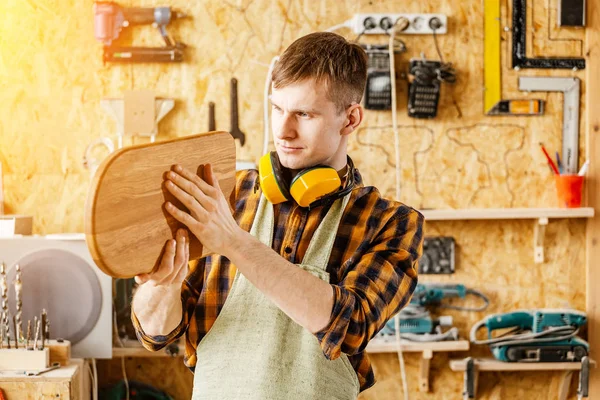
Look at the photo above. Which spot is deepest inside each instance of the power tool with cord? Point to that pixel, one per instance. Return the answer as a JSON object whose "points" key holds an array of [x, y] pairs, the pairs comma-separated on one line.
{"points": [[540, 335], [415, 322], [110, 18], [432, 294]]}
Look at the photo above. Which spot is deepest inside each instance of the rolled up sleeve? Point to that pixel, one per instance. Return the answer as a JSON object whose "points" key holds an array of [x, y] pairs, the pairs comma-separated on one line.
{"points": [[374, 287], [189, 298], [155, 343]]}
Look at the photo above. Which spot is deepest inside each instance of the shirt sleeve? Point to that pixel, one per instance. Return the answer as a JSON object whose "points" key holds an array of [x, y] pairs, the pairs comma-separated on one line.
{"points": [[375, 287]]}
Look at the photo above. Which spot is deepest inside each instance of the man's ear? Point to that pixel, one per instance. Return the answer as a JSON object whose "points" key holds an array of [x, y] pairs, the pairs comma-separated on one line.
{"points": [[354, 116]]}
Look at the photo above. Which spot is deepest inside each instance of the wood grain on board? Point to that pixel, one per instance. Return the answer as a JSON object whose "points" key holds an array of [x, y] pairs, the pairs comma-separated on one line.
{"points": [[126, 224]]}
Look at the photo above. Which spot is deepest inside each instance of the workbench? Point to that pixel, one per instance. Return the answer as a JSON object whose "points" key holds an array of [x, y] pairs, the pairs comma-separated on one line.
{"points": [[70, 382]]}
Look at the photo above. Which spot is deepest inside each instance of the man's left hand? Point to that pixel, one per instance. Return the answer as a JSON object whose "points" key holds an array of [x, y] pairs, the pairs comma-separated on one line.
{"points": [[210, 218]]}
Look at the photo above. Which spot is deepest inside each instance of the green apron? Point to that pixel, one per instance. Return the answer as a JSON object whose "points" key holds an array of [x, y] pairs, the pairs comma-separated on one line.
{"points": [[255, 351]]}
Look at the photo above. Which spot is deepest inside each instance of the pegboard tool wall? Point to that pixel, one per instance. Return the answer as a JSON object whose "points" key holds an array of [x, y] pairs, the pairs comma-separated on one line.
{"points": [[52, 79]]}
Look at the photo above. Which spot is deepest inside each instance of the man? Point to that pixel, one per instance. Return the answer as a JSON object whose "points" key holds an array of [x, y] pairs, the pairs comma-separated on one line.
{"points": [[286, 307]]}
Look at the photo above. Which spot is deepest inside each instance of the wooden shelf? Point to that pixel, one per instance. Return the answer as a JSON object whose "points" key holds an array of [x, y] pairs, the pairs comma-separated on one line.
{"points": [[389, 346], [506, 213], [539, 215], [142, 352], [490, 364], [379, 345]]}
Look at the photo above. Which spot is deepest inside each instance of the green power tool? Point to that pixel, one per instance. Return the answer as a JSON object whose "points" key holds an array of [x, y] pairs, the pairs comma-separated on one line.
{"points": [[542, 335], [415, 322], [427, 294]]}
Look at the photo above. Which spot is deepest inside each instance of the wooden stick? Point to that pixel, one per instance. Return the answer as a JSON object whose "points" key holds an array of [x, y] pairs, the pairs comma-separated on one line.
{"points": [[592, 124]]}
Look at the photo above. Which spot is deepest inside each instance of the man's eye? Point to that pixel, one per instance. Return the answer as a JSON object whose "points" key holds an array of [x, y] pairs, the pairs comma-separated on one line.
{"points": [[303, 114]]}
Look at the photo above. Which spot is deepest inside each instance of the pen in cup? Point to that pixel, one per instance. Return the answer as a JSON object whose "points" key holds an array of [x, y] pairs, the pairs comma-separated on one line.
{"points": [[556, 172]]}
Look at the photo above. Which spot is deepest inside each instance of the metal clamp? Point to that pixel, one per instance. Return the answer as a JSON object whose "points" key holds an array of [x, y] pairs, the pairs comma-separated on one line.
{"points": [[470, 380], [584, 378]]}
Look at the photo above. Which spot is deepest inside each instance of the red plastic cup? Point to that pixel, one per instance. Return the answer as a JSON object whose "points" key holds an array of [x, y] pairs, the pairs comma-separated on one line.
{"points": [[569, 189]]}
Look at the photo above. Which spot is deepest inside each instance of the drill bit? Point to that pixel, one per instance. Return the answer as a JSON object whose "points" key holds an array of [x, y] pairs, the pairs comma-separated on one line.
{"points": [[43, 325], [47, 333], [2, 335], [7, 317], [14, 321], [35, 321], [3, 278], [37, 333], [19, 303], [4, 294], [28, 335]]}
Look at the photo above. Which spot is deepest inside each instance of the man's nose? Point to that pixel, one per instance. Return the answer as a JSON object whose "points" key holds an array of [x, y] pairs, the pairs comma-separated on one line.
{"points": [[285, 127]]}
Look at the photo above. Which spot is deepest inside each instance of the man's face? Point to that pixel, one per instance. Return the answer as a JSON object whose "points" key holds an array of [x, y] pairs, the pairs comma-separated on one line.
{"points": [[307, 127]]}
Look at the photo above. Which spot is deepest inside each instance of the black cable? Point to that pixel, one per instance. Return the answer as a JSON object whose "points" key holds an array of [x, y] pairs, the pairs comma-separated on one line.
{"points": [[360, 35], [368, 24], [437, 47], [445, 72], [486, 302]]}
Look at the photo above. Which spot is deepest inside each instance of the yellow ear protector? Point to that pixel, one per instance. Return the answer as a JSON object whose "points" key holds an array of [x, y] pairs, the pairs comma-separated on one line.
{"points": [[311, 187]]}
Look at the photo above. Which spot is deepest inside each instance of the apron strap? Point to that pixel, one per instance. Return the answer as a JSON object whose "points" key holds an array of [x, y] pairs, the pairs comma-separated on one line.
{"points": [[264, 221], [321, 244]]}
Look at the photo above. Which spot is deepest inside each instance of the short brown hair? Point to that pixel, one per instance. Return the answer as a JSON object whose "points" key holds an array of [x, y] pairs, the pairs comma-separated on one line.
{"points": [[328, 58]]}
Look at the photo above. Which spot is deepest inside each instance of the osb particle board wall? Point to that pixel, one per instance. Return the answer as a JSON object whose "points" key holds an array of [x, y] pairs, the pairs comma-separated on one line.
{"points": [[52, 79]]}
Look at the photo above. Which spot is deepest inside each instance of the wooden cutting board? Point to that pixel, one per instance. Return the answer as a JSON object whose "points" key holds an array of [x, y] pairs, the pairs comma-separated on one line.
{"points": [[126, 224]]}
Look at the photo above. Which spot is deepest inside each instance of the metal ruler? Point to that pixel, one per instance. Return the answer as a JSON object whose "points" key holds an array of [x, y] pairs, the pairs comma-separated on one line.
{"points": [[570, 136], [492, 72], [519, 39]]}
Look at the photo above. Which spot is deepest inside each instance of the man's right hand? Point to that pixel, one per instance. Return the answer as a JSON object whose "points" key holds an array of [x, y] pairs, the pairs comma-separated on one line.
{"points": [[173, 267]]}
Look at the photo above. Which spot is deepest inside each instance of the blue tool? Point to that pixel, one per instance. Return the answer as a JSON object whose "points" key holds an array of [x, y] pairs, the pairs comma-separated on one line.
{"points": [[415, 324], [543, 335], [433, 293]]}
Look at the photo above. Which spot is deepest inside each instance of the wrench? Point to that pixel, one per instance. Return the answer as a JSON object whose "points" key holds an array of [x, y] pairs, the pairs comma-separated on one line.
{"points": [[235, 129], [212, 126], [36, 373]]}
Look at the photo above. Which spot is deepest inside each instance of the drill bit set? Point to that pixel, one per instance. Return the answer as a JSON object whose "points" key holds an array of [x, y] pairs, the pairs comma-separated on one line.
{"points": [[19, 350]]}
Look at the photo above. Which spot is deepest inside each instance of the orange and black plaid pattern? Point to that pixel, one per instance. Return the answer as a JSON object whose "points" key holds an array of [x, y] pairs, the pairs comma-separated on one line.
{"points": [[373, 270]]}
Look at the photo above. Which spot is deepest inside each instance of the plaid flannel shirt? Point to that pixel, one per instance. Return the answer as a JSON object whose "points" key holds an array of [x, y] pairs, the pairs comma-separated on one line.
{"points": [[372, 267]]}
